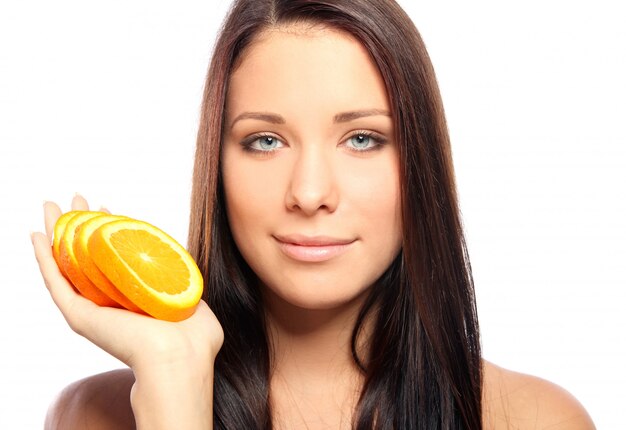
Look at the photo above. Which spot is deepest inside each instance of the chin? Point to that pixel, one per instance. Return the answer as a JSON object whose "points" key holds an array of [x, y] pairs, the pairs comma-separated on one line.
{"points": [[315, 297]]}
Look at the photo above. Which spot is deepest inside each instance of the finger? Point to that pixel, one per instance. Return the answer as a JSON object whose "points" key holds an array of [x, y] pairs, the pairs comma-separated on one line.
{"points": [[79, 203], [95, 323], [75, 308], [51, 212], [62, 293], [48, 267], [108, 328], [105, 210]]}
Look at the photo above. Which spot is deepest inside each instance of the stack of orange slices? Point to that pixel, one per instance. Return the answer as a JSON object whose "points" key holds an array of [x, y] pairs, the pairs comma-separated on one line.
{"points": [[126, 263]]}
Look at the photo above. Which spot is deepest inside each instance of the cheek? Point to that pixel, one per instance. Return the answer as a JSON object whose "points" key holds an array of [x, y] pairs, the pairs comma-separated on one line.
{"points": [[374, 196], [253, 193]]}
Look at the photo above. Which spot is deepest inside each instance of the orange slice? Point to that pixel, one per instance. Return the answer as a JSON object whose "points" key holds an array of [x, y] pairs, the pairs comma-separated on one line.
{"points": [[89, 268], [149, 267], [59, 229], [69, 264]]}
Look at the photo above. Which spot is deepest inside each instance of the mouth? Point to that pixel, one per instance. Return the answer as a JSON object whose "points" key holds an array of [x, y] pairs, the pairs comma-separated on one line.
{"points": [[313, 248]]}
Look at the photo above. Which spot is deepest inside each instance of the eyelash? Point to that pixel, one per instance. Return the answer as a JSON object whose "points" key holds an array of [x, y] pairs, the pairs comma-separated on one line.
{"points": [[379, 141], [247, 143]]}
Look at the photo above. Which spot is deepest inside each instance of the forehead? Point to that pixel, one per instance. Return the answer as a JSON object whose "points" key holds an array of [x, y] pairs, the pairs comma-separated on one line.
{"points": [[306, 66]]}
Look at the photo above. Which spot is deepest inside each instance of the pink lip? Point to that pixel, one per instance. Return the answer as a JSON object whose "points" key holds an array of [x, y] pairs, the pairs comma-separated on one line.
{"points": [[313, 248]]}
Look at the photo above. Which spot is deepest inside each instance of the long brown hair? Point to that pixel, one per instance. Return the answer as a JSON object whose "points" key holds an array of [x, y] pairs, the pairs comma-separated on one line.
{"points": [[424, 369]]}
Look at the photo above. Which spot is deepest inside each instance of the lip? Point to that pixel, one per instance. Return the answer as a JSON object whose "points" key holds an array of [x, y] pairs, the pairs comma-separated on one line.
{"points": [[313, 248]]}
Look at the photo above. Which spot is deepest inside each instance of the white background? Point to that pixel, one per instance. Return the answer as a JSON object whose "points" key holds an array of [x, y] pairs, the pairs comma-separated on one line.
{"points": [[103, 99]]}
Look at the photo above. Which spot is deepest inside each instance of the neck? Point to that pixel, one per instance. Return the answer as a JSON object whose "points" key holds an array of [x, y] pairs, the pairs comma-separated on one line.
{"points": [[314, 341], [312, 364]]}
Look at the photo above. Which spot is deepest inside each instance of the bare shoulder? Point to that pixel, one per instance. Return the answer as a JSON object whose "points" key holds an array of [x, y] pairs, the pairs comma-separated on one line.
{"points": [[513, 400], [98, 402]]}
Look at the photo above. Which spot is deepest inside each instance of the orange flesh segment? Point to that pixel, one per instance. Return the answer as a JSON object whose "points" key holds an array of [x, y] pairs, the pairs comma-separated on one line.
{"points": [[89, 268], [70, 265], [159, 266], [149, 267]]}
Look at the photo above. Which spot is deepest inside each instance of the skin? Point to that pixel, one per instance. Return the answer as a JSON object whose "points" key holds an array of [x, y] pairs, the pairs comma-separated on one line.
{"points": [[171, 363], [314, 182]]}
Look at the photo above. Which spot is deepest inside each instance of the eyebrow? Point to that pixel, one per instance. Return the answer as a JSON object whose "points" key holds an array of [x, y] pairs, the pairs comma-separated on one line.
{"points": [[263, 116], [356, 114], [338, 118]]}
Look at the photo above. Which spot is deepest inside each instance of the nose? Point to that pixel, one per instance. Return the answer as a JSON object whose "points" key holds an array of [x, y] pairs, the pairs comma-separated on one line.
{"points": [[313, 186]]}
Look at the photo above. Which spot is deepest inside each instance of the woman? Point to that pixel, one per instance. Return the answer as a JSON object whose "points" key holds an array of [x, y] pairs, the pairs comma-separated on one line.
{"points": [[325, 220]]}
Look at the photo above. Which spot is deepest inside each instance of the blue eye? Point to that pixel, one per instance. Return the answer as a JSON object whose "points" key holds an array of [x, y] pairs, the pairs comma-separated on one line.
{"points": [[360, 141], [262, 143], [267, 142], [364, 141]]}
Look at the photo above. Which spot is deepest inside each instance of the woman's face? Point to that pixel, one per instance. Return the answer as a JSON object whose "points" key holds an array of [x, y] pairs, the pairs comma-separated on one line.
{"points": [[310, 167]]}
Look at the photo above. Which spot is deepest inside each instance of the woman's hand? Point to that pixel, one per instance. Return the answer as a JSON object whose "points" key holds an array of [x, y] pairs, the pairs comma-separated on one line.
{"points": [[172, 362]]}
